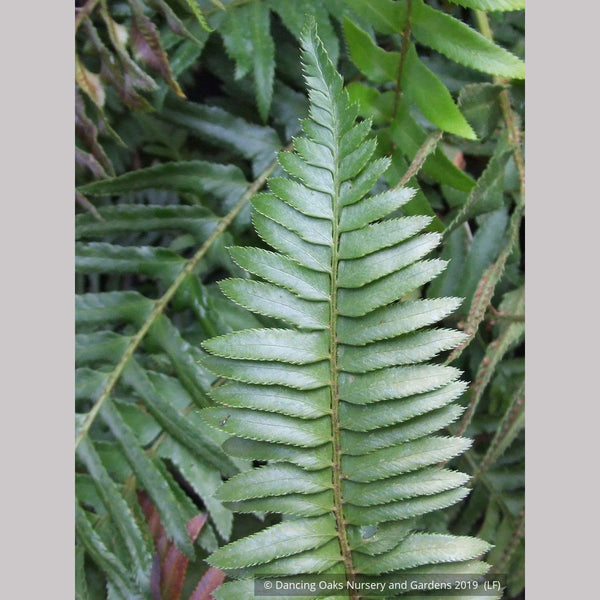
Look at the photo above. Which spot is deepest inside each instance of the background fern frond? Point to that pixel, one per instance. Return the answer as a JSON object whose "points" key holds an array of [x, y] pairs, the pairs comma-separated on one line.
{"points": [[145, 405]]}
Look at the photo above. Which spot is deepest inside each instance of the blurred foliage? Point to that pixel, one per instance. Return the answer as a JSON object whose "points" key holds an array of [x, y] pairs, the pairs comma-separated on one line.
{"points": [[181, 109]]}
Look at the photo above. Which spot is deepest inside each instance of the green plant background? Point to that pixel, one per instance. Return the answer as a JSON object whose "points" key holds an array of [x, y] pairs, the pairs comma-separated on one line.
{"points": [[164, 183]]}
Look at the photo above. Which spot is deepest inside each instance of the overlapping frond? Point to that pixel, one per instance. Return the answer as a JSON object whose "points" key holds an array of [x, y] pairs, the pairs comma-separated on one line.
{"points": [[139, 384]]}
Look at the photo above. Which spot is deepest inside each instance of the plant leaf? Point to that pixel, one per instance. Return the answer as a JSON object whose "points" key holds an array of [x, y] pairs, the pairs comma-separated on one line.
{"points": [[100, 554], [193, 5], [195, 176], [145, 40], [151, 479], [344, 397], [459, 42], [247, 37], [90, 83], [256, 143], [386, 16], [479, 103], [274, 542], [492, 5], [211, 581], [121, 514]]}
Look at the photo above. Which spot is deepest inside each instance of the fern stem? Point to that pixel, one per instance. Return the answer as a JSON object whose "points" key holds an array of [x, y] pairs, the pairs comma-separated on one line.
{"points": [[85, 203], [501, 316], [403, 53], [426, 148], [493, 355], [483, 479], [487, 284], [514, 410], [84, 12], [514, 133], [161, 304], [337, 475], [516, 537]]}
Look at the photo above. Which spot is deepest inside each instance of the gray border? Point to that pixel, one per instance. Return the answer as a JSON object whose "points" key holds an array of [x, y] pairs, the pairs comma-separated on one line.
{"points": [[562, 297], [36, 444]]}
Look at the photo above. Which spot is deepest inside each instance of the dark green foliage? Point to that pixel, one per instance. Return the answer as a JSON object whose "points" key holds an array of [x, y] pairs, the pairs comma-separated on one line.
{"points": [[182, 108]]}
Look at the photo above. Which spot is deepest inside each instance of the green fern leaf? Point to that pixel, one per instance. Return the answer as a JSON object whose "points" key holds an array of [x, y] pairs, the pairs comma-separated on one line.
{"points": [[257, 143], [293, 13], [342, 405], [247, 37], [459, 42], [117, 508], [192, 4], [132, 419], [487, 195], [492, 5], [386, 16], [194, 176], [110, 564], [421, 85], [479, 102]]}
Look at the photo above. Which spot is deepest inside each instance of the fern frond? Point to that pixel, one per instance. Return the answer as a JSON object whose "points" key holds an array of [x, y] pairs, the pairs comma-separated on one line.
{"points": [[138, 382], [342, 405]]}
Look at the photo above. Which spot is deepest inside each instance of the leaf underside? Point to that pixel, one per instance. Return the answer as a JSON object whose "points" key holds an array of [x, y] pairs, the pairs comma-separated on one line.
{"points": [[339, 399]]}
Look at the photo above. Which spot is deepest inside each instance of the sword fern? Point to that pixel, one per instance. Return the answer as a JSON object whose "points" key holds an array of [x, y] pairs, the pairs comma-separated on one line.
{"points": [[342, 404]]}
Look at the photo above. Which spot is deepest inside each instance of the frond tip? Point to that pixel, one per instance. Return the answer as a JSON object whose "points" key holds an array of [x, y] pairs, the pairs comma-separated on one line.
{"points": [[342, 405]]}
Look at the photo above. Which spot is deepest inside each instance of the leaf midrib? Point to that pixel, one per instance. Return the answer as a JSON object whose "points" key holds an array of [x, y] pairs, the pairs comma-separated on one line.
{"points": [[336, 445]]}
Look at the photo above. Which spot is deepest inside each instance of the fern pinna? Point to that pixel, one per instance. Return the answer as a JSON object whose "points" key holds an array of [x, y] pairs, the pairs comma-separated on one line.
{"points": [[339, 405]]}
